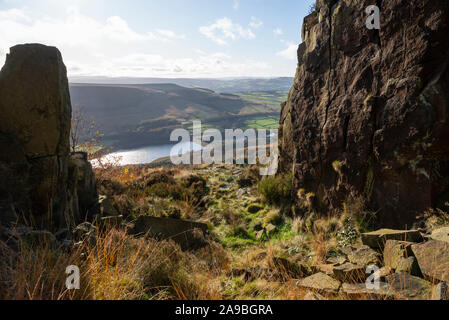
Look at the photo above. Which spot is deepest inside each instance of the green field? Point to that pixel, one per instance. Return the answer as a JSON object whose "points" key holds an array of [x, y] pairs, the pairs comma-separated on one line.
{"points": [[263, 123], [270, 98]]}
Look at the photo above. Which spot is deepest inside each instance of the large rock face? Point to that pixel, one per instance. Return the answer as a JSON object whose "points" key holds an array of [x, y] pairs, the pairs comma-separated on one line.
{"points": [[368, 110], [35, 115]]}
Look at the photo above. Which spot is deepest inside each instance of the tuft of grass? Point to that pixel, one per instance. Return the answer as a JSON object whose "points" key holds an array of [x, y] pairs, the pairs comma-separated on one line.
{"points": [[355, 209], [276, 190]]}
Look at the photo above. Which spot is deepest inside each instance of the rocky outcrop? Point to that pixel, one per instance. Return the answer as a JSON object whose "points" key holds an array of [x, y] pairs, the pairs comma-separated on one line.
{"points": [[368, 110], [413, 269], [40, 182]]}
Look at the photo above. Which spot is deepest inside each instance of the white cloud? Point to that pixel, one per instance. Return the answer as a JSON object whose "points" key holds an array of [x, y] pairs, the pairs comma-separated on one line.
{"points": [[144, 65], [224, 29], [236, 4], [291, 52], [170, 34], [111, 47], [255, 23], [72, 30], [14, 15], [278, 32]]}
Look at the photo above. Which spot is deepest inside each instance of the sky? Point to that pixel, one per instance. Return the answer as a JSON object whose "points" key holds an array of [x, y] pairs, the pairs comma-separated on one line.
{"points": [[161, 38]]}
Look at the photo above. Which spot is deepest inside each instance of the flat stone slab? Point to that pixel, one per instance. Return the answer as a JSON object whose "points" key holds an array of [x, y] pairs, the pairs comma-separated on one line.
{"points": [[441, 234], [324, 268], [320, 282], [188, 234], [377, 239], [409, 287], [433, 259], [349, 272]]}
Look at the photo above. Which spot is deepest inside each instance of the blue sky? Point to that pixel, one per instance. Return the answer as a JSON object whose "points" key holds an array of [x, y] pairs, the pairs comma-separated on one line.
{"points": [[161, 38]]}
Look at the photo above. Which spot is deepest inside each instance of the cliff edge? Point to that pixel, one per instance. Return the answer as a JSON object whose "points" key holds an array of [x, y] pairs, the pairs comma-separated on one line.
{"points": [[368, 111]]}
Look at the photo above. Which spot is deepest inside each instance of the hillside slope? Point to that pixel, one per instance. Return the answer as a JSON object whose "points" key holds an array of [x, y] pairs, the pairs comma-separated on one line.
{"points": [[218, 85], [141, 115]]}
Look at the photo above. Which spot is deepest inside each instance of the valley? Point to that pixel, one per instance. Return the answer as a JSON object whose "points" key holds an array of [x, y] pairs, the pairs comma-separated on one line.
{"points": [[135, 116]]}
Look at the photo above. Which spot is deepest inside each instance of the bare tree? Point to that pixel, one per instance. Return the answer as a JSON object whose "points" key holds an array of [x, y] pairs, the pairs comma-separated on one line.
{"points": [[85, 134]]}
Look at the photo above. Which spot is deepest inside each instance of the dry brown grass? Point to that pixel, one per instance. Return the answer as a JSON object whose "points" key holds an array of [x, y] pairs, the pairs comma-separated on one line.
{"points": [[117, 267]]}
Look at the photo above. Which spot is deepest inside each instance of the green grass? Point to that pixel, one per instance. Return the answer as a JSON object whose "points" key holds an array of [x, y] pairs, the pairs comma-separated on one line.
{"points": [[270, 98], [267, 123]]}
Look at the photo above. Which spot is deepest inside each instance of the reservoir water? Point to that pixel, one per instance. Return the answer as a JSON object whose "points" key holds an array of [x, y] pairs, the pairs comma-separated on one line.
{"points": [[151, 153]]}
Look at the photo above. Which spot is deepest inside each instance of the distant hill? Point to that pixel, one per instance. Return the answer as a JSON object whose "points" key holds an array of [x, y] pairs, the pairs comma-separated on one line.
{"points": [[217, 85], [140, 115]]}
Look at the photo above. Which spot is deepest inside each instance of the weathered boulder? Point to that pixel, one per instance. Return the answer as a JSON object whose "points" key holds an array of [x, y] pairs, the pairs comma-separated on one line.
{"points": [[409, 265], [366, 113], [82, 186], [313, 296], [409, 287], [188, 234], [111, 222], [321, 283], [377, 239], [441, 234], [107, 207], [337, 261], [360, 291], [324, 268], [440, 291], [37, 179], [384, 272], [364, 256], [35, 115], [40, 238], [433, 259], [288, 269], [395, 250]]}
